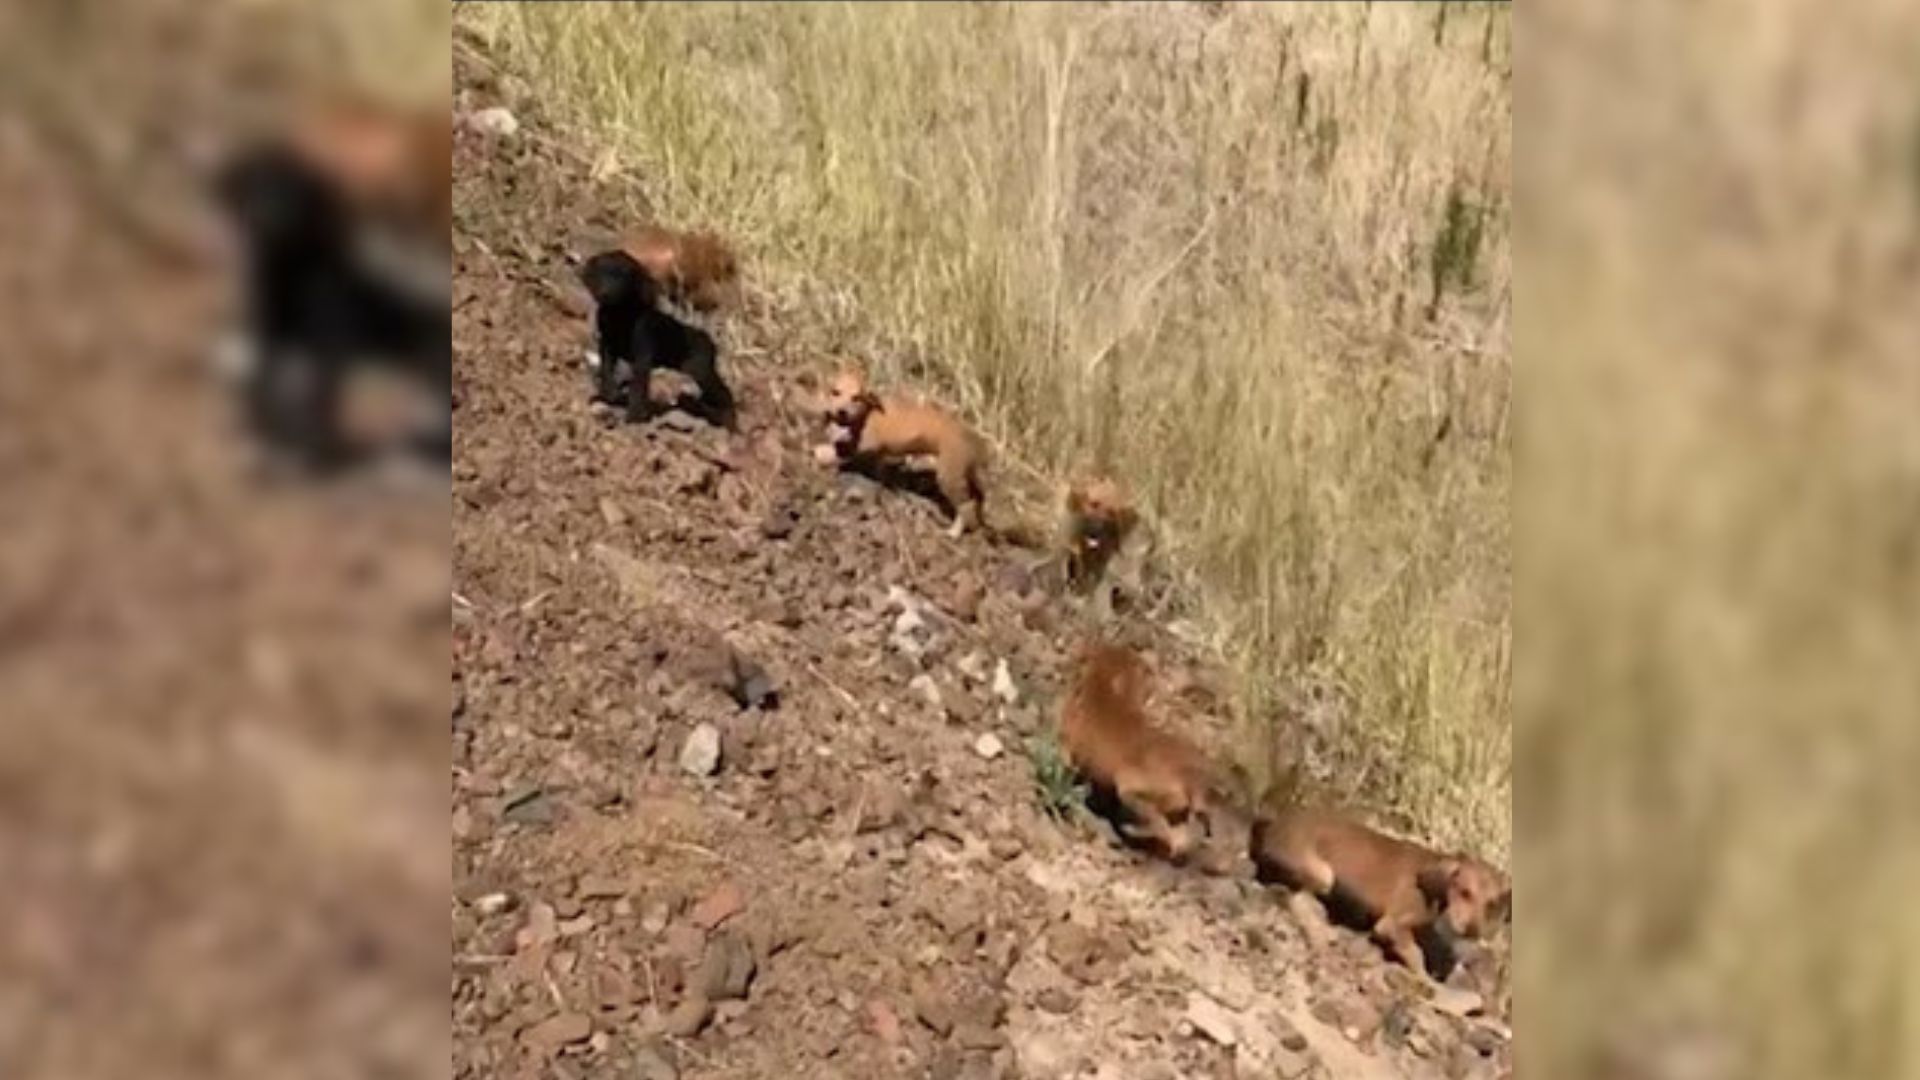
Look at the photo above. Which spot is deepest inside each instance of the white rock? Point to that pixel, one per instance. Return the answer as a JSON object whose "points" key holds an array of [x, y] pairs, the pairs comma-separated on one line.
{"points": [[927, 688], [989, 746], [1003, 686], [497, 121], [592, 358], [492, 903], [974, 667], [700, 755], [1212, 1019]]}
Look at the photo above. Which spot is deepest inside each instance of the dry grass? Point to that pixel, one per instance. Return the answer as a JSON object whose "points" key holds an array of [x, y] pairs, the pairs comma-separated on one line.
{"points": [[1254, 262], [1720, 525]]}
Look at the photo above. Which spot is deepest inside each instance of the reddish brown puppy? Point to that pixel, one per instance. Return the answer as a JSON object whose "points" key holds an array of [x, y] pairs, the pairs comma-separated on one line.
{"points": [[1402, 887], [694, 269], [1160, 779]]}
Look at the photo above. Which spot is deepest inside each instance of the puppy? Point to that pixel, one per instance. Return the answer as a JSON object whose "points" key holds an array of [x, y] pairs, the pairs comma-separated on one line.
{"points": [[866, 427], [1101, 526], [314, 307], [1160, 780], [389, 164], [696, 270], [1400, 889], [633, 330]]}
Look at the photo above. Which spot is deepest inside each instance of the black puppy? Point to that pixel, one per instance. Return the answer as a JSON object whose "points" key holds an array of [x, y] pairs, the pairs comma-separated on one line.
{"points": [[313, 308], [632, 329]]}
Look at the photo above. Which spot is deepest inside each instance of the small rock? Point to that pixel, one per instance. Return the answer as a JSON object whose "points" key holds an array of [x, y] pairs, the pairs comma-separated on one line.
{"points": [[974, 667], [576, 926], [931, 1008], [779, 522], [596, 887], [1003, 685], [884, 1022], [1056, 1000], [650, 1064], [543, 926], [689, 1017], [989, 746], [718, 906], [493, 903], [700, 754], [752, 687], [611, 512], [1456, 1002], [497, 121], [1211, 1019], [924, 685], [964, 598], [728, 969], [555, 1032]]}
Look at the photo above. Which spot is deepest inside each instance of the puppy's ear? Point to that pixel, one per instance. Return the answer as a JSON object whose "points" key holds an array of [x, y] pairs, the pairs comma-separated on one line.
{"points": [[1076, 501], [1436, 878], [868, 398], [1502, 909]]}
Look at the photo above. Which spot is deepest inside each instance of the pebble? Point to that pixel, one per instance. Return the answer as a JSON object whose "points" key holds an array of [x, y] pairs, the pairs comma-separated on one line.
{"points": [[924, 685], [497, 121], [700, 754], [493, 903], [1003, 685], [689, 1017], [989, 746], [650, 1064], [1211, 1019], [718, 906], [557, 1031]]}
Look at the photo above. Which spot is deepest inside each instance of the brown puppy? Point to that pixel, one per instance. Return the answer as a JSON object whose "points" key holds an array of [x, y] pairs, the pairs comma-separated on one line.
{"points": [[696, 269], [393, 165], [868, 427], [1403, 888], [1159, 778], [1102, 528]]}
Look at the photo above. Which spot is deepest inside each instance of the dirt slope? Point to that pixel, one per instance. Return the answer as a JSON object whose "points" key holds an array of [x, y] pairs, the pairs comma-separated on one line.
{"points": [[865, 884]]}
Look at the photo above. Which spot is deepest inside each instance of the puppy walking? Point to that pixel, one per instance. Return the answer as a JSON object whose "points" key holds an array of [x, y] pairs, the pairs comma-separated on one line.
{"points": [[1160, 780], [632, 330], [1400, 888], [894, 430]]}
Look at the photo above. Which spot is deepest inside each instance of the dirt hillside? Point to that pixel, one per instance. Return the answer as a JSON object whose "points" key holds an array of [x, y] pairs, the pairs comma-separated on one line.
{"points": [[861, 882]]}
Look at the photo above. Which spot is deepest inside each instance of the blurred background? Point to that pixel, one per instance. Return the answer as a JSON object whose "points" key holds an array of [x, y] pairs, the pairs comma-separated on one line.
{"points": [[1718, 528], [222, 806]]}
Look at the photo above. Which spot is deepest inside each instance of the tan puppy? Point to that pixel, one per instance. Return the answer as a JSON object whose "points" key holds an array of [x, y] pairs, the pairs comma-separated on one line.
{"points": [[1402, 887], [868, 427], [1159, 778], [695, 269], [394, 165], [1104, 540]]}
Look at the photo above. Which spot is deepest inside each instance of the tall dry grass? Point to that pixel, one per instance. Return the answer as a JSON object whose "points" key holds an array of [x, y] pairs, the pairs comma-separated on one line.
{"points": [[1254, 262], [1719, 720]]}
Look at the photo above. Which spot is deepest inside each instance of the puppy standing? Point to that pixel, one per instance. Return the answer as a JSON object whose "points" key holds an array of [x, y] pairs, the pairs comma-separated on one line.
{"points": [[894, 429], [633, 330], [1159, 778], [301, 201], [1102, 527], [695, 270], [1403, 888]]}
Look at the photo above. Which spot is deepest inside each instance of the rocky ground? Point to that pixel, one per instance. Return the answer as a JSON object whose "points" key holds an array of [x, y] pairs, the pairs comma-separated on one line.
{"points": [[741, 784]]}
